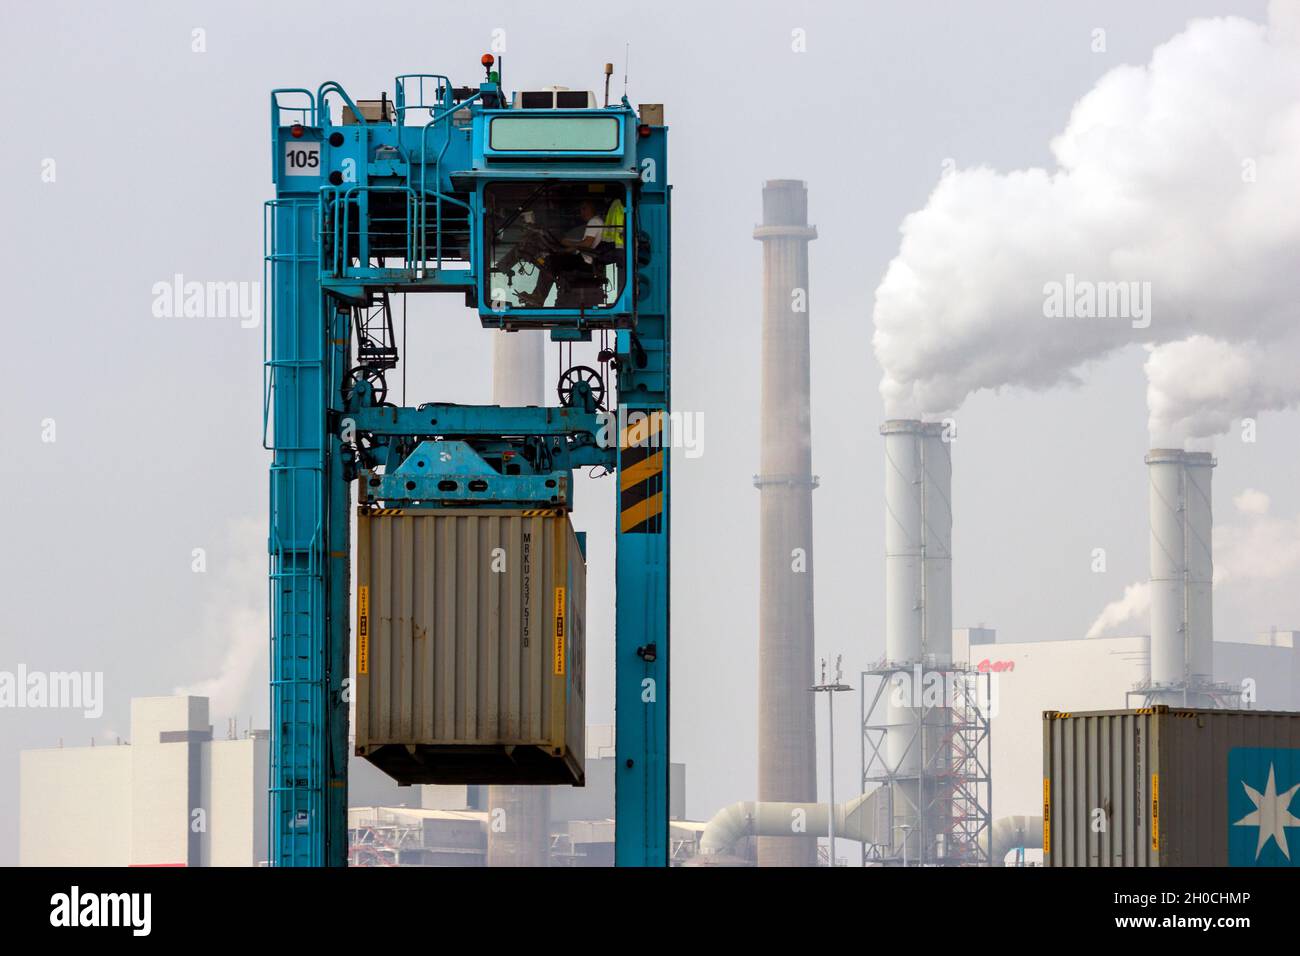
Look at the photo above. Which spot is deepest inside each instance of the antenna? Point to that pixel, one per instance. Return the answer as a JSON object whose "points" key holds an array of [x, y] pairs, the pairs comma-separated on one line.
{"points": [[627, 56]]}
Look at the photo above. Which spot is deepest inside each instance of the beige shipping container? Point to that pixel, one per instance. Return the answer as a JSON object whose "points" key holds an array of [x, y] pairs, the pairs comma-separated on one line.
{"points": [[470, 656]]}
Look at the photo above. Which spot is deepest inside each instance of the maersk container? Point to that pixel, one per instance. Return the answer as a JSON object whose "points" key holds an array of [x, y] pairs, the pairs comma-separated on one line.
{"points": [[470, 646], [1164, 786]]}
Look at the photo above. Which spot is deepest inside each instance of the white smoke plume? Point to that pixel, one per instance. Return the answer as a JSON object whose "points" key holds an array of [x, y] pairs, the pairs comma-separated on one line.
{"points": [[1135, 605], [1252, 502], [234, 624], [1252, 554], [1200, 386], [1175, 179]]}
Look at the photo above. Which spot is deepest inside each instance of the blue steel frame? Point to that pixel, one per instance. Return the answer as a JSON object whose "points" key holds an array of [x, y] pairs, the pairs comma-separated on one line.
{"points": [[334, 239]]}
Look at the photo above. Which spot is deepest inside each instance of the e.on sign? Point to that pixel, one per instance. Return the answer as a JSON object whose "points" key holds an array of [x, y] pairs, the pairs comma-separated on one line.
{"points": [[987, 666]]}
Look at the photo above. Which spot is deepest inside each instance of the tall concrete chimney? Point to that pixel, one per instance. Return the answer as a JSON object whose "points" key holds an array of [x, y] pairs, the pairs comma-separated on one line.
{"points": [[787, 742], [1182, 576], [518, 368], [918, 624], [519, 818]]}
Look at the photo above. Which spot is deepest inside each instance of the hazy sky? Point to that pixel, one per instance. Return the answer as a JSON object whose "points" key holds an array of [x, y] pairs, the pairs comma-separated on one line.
{"points": [[161, 164]]}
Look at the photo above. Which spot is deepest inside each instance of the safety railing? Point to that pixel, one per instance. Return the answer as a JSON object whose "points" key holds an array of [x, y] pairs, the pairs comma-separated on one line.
{"points": [[364, 230], [444, 119], [364, 235], [359, 226], [323, 105], [421, 91], [304, 113], [274, 259]]}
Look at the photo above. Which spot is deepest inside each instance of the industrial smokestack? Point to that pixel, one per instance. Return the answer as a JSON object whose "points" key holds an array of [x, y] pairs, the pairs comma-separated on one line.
{"points": [[519, 818], [918, 542], [787, 741], [918, 623], [518, 368], [1182, 576]]}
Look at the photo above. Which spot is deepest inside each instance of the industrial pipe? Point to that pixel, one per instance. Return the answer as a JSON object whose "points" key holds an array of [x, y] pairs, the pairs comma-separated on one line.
{"points": [[1010, 833], [856, 819]]}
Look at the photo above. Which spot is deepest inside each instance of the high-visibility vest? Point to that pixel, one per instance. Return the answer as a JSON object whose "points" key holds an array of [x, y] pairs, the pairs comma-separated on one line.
{"points": [[613, 231]]}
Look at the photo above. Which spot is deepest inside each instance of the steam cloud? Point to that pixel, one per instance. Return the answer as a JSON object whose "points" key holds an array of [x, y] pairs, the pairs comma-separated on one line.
{"points": [[1133, 606], [1176, 178], [1200, 386], [235, 622]]}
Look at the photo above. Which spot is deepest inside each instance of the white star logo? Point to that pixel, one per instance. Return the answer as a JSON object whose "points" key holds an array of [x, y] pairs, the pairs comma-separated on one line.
{"points": [[1272, 814]]}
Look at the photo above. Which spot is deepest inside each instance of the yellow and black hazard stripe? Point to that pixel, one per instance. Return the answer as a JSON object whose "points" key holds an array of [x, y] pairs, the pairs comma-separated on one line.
{"points": [[542, 513], [641, 462], [370, 511]]}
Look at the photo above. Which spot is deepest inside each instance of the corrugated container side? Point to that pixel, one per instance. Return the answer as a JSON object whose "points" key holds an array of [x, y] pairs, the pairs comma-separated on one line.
{"points": [[470, 646], [1166, 787], [1216, 758], [1096, 788]]}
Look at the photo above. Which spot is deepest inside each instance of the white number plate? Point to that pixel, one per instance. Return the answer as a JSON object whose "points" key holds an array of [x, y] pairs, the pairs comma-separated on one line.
{"points": [[301, 159]]}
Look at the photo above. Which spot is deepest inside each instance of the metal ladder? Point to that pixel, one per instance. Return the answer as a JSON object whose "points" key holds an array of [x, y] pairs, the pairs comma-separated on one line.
{"points": [[294, 362]]}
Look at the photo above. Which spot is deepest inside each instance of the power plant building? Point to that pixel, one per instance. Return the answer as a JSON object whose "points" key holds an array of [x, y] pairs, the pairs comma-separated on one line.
{"points": [[169, 795]]}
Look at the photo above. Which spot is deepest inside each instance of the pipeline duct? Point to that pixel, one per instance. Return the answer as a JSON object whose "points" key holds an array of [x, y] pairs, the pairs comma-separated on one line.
{"points": [[1009, 833], [857, 819]]}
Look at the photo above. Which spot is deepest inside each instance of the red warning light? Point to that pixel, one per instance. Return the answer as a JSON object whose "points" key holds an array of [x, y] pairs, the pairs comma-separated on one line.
{"points": [[643, 130], [488, 59], [296, 131]]}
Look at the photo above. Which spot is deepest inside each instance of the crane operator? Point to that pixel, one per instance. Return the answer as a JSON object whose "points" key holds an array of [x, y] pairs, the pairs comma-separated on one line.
{"points": [[601, 237]]}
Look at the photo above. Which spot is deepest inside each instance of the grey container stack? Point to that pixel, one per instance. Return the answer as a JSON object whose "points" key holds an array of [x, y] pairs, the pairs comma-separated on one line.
{"points": [[1171, 787], [470, 646]]}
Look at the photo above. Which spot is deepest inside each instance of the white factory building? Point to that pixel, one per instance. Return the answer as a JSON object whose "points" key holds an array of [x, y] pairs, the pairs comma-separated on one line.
{"points": [[1096, 674], [172, 795], [169, 795]]}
